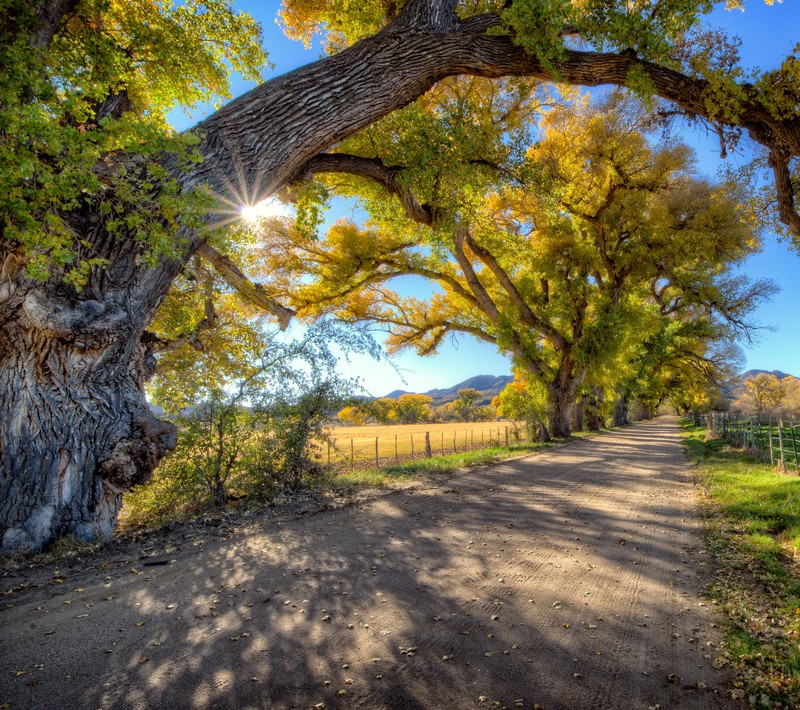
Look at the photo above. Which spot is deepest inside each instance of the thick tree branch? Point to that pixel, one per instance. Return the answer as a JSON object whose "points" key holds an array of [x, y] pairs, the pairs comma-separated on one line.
{"points": [[51, 15], [374, 169], [482, 298], [253, 292], [786, 191], [435, 15], [528, 316], [262, 139]]}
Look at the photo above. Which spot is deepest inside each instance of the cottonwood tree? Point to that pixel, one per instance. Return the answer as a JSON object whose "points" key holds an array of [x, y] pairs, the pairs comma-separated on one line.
{"points": [[100, 208], [791, 396], [557, 271], [352, 415], [760, 393], [524, 400], [466, 404], [412, 408]]}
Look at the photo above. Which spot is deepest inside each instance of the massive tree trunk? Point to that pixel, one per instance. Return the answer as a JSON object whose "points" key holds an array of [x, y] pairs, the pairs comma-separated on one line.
{"points": [[621, 410], [560, 401], [75, 429], [578, 411], [594, 421]]}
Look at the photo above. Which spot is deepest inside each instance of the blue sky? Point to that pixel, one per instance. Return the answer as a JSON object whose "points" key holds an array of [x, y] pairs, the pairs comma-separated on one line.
{"points": [[768, 34]]}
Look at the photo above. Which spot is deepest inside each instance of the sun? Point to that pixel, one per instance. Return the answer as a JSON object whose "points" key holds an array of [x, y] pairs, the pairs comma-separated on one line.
{"points": [[270, 207]]}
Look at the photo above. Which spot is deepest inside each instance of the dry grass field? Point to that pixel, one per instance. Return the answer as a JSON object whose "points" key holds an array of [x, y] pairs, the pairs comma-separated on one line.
{"points": [[399, 442]]}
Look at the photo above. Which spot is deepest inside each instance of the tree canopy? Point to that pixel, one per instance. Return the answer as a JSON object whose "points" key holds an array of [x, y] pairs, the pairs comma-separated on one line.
{"points": [[568, 255]]}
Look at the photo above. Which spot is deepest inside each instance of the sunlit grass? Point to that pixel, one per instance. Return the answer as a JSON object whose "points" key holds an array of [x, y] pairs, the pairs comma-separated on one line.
{"points": [[763, 500]]}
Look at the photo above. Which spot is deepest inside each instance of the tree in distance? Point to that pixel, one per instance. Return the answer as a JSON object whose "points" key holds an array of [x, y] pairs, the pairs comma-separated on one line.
{"points": [[760, 394], [466, 404]]}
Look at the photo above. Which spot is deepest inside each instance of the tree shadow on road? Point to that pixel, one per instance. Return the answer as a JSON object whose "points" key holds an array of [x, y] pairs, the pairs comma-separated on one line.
{"points": [[567, 580]]}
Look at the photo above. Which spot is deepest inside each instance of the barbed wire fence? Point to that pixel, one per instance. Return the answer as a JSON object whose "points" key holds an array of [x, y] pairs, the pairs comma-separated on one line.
{"points": [[345, 453], [773, 438]]}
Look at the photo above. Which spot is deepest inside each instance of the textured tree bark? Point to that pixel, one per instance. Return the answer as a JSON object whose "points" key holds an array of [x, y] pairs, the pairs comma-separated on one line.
{"points": [[621, 411], [560, 401], [75, 429], [578, 411], [593, 420]]}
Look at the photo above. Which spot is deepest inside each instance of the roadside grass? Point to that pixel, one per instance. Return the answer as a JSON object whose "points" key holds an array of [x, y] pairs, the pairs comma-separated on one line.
{"points": [[398, 473], [753, 531], [180, 499]]}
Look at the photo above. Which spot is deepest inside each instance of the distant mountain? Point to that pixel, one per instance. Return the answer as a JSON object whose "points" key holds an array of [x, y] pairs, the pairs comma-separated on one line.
{"points": [[752, 373], [488, 385]]}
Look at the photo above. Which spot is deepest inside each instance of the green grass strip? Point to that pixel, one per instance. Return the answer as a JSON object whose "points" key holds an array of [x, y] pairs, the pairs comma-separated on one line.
{"points": [[753, 531], [380, 478]]}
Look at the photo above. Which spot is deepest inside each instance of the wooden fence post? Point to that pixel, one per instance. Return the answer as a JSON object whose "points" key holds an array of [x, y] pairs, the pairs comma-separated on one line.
{"points": [[794, 446], [506, 437], [455, 448], [780, 443], [442, 443], [771, 447], [428, 453]]}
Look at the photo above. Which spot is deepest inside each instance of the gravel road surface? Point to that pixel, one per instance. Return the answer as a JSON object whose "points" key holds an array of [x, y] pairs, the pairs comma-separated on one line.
{"points": [[565, 580]]}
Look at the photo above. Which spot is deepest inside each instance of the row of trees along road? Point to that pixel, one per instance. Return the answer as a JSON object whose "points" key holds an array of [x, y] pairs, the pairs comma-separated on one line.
{"points": [[592, 257], [411, 408], [104, 207]]}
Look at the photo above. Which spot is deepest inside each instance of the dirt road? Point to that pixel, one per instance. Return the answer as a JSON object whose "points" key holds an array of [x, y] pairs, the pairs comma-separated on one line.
{"points": [[566, 580]]}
